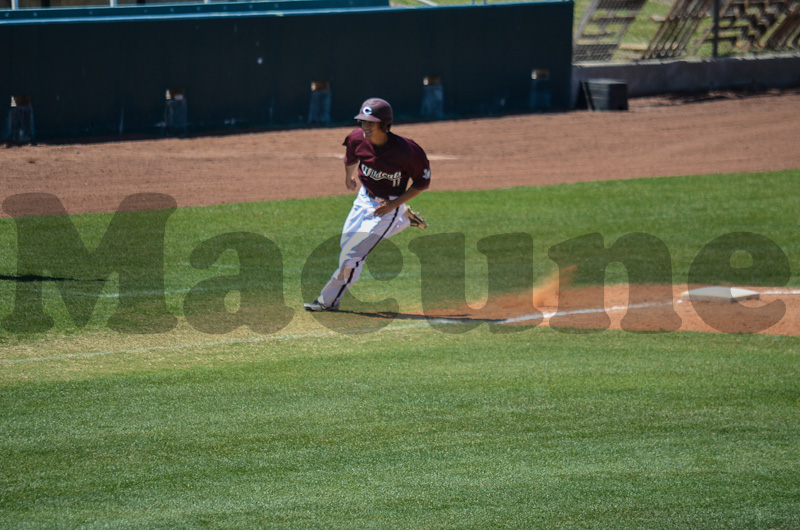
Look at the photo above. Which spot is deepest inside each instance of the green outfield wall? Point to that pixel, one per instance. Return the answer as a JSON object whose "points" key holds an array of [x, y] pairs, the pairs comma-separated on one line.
{"points": [[107, 75]]}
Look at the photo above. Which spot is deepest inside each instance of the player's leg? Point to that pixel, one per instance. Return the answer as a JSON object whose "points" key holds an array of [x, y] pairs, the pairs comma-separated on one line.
{"points": [[356, 246], [362, 232]]}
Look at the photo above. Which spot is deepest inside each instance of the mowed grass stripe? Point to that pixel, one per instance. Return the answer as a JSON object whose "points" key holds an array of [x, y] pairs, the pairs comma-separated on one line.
{"points": [[539, 429]]}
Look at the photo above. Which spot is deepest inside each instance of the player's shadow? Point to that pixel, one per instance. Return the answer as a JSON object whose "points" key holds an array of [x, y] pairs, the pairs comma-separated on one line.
{"points": [[30, 278], [388, 315]]}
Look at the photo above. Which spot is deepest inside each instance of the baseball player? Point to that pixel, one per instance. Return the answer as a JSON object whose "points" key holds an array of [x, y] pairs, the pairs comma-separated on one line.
{"points": [[385, 164]]}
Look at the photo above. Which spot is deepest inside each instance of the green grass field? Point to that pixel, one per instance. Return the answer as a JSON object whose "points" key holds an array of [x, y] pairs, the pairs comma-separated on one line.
{"points": [[395, 424]]}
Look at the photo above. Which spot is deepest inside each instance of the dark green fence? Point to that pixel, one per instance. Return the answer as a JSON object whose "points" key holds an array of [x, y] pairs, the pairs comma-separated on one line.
{"points": [[141, 74]]}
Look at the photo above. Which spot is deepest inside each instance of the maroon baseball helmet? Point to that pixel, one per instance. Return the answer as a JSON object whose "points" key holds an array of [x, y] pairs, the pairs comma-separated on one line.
{"points": [[377, 110]]}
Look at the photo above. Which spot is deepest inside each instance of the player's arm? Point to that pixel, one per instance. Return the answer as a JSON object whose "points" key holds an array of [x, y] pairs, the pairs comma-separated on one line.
{"points": [[388, 206], [349, 176]]}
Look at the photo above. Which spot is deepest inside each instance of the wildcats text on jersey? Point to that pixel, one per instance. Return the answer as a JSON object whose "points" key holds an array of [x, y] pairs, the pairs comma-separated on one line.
{"points": [[380, 175]]}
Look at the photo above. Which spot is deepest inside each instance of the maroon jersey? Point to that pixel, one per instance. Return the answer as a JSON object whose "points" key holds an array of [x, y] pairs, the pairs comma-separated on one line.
{"points": [[386, 170]]}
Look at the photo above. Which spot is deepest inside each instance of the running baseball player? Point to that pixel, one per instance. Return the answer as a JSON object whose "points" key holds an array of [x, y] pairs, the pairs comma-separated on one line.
{"points": [[385, 164]]}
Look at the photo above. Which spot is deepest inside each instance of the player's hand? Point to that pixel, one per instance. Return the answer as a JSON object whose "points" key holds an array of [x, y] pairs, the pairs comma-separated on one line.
{"points": [[384, 208], [350, 182]]}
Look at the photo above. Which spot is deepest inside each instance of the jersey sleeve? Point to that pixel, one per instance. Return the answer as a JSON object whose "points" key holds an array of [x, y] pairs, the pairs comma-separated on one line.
{"points": [[350, 149], [420, 168]]}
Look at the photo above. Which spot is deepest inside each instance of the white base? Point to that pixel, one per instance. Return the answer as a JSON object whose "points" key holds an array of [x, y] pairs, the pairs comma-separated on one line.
{"points": [[720, 294]]}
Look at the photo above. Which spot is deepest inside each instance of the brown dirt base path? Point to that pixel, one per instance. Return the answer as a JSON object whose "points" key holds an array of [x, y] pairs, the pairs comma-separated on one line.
{"points": [[657, 308], [665, 136]]}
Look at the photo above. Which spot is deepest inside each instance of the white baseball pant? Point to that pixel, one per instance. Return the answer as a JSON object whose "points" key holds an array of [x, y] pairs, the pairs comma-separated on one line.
{"points": [[361, 233]]}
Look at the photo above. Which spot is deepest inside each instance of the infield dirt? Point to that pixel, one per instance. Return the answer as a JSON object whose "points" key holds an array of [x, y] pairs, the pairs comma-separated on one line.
{"points": [[657, 137]]}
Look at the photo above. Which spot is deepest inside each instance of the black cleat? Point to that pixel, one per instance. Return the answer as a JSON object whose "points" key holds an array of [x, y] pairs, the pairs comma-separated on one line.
{"points": [[316, 305]]}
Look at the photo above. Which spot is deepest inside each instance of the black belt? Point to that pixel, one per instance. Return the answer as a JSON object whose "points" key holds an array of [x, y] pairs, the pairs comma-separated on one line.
{"points": [[373, 196]]}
